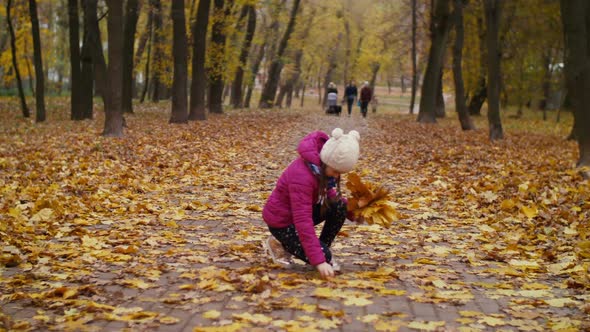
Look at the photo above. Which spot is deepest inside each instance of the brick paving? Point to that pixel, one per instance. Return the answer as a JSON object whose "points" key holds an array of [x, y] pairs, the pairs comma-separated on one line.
{"points": [[210, 271]]}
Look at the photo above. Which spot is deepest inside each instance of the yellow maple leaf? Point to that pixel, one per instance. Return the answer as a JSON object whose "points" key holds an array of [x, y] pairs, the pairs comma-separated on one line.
{"points": [[326, 324], [561, 302], [491, 321], [530, 212], [426, 326], [168, 320], [256, 318], [467, 313], [507, 204], [324, 292], [137, 283], [212, 314], [357, 301], [523, 264]]}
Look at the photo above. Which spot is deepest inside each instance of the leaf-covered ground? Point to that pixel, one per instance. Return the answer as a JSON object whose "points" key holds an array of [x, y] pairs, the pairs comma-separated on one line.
{"points": [[161, 230]]}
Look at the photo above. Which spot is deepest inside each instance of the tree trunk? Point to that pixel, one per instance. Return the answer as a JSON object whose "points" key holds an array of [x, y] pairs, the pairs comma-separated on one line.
{"points": [[19, 82], [440, 31], [143, 39], [236, 94], [199, 78], [460, 107], [95, 45], [575, 16], [481, 92], [347, 42], [492, 14], [439, 106], [148, 60], [131, 16], [414, 71], [76, 108], [39, 74], [292, 80], [113, 123], [332, 64], [478, 98], [270, 88], [87, 71], [374, 70], [254, 72], [157, 45], [179, 84], [146, 72], [217, 50]]}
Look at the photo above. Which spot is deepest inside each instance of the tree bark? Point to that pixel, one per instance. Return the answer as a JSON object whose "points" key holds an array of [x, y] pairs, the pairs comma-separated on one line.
{"points": [[87, 71], [199, 78], [270, 88], [439, 105], [113, 123], [179, 49], [492, 14], [19, 82], [38, 59], [215, 70], [440, 32], [575, 16], [347, 41], [481, 93], [460, 107], [254, 71], [236, 94], [148, 60], [76, 108], [95, 45], [332, 64], [131, 16], [143, 39], [290, 83], [158, 56], [414, 71]]}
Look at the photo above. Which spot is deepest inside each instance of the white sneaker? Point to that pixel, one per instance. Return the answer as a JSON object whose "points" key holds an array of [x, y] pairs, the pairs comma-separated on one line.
{"points": [[277, 253]]}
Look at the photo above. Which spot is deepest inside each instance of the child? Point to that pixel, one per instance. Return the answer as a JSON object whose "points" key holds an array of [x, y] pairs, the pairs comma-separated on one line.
{"points": [[308, 193]]}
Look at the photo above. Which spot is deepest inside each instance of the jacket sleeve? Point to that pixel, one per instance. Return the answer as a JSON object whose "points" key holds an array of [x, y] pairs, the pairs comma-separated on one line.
{"points": [[301, 196]]}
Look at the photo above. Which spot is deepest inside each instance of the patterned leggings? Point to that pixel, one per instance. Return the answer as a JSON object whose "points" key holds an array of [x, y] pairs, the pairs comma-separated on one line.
{"points": [[334, 217]]}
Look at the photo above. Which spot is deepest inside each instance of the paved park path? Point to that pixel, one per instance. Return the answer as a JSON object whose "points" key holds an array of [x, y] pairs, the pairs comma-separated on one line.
{"points": [[209, 272]]}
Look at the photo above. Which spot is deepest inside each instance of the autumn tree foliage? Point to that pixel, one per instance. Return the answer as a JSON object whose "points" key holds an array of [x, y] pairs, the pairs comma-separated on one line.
{"points": [[285, 49]]}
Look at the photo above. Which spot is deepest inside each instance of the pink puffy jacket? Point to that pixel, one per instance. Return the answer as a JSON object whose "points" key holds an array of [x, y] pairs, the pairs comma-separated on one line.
{"points": [[292, 200]]}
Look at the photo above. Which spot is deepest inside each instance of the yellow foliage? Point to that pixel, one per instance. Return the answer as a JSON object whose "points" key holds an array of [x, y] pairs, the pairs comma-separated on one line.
{"points": [[369, 202]]}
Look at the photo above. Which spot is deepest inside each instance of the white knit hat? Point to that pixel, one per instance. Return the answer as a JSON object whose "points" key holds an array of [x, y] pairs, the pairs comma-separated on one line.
{"points": [[341, 151]]}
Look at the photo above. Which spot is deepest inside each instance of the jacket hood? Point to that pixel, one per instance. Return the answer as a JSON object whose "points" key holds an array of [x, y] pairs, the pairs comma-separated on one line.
{"points": [[310, 146]]}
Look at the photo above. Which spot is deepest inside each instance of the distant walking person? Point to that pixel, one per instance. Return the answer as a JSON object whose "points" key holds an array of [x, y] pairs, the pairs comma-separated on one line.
{"points": [[350, 95], [366, 96]]}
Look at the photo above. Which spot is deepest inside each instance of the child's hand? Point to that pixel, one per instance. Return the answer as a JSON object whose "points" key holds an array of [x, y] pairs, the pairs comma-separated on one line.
{"points": [[325, 270]]}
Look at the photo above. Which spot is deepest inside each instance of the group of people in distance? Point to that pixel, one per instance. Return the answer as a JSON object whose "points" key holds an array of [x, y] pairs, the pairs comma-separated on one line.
{"points": [[351, 95]]}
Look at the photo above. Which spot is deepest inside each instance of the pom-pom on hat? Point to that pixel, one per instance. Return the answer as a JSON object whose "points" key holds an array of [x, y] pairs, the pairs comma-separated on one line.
{"points": [[341, 151]]}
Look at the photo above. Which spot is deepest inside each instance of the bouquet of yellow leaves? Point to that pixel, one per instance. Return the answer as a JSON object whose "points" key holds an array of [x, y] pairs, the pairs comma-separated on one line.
{"points": [[370, 202]]}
